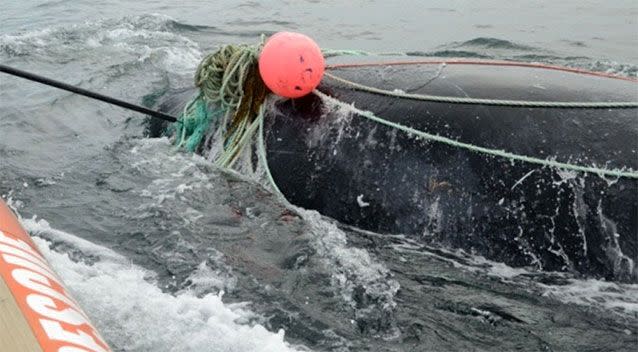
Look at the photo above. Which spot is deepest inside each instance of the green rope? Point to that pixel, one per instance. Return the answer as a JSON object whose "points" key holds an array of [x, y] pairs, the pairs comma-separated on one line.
{"points": [[342, 52], [220, 75], [227, 159], [496, 102], [192, 125], [229, 82], [500, 153], [261, 153]]}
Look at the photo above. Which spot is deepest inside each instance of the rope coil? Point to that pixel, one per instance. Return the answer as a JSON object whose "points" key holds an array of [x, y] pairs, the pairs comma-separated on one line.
{"points": [[220, 75], [230, 85]]}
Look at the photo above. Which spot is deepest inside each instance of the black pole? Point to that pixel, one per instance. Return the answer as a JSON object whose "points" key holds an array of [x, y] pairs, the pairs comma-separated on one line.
{"points": [[86, 93]]}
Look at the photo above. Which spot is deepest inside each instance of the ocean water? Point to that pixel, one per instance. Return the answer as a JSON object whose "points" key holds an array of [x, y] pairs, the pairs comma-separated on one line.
{"points": [[168, 253]]}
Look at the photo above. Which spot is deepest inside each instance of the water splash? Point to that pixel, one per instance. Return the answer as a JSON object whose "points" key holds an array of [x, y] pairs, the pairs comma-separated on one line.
{"points": [[134, 314]]}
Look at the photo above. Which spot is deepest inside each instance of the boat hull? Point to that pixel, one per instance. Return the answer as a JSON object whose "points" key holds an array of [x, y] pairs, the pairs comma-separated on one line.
{"points": [[36, 311]]}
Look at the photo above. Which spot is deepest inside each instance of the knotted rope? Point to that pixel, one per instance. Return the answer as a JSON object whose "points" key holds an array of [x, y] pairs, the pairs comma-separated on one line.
{"points": [[230, 87]]}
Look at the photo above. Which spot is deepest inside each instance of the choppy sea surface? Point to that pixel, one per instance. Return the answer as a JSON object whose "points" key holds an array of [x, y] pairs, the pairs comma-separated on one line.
{"points": [[167, 253]]}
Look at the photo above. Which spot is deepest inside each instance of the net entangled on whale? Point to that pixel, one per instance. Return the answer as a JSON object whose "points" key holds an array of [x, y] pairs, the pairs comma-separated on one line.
{"points": [[528, 164]]}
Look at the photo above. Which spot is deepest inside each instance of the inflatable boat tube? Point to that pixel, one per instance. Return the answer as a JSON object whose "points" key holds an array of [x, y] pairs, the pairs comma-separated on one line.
{"points": [[36, 311], [328, 157]]}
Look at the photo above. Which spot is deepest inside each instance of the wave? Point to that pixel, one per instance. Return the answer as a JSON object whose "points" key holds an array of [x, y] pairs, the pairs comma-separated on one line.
{"points": [[146, 39], [362, 285], [494, 43], [134, 314], [619, 298], [450, 53]]}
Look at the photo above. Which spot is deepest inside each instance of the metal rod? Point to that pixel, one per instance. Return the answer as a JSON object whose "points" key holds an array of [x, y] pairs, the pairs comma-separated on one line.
{"points": [[86, 93]]}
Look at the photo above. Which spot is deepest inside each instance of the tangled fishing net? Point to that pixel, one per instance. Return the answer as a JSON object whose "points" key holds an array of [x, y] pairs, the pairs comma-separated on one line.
{"points": [[230, 99]]}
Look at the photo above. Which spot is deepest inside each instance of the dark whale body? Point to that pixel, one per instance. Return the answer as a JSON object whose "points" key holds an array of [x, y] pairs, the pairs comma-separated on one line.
{"points": [[371, 176]]}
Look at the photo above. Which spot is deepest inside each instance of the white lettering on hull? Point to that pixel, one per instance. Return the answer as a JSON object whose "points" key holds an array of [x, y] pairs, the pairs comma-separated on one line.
{"points": [[59, 315]]}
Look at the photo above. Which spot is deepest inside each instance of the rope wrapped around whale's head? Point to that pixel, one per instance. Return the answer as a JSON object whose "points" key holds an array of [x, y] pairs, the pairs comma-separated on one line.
{"points": [[232, 94]]}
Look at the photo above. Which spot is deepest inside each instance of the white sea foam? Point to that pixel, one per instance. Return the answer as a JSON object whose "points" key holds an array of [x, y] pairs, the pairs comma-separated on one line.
{"points": [[353, 268], [621, 298], [618, 297], [146, 38], [133, 314]]}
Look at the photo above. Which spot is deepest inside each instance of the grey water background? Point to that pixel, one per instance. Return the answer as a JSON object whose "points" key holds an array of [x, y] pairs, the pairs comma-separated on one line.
{"points": [[147, 238]]}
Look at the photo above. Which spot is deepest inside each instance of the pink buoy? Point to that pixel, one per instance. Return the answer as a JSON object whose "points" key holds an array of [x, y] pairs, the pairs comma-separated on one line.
{"points": [[291, 64]]}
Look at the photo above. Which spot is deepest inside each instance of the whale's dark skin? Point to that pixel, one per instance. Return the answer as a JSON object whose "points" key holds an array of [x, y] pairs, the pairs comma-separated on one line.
{"points": [[373, 177]]}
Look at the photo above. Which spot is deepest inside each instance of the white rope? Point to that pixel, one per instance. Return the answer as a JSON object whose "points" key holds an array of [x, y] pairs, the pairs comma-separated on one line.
{"points": [[495, 152], [493, 102]]}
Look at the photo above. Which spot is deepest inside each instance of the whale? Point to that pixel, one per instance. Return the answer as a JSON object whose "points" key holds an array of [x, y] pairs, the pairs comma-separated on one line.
{"points": [[324, 154]]}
